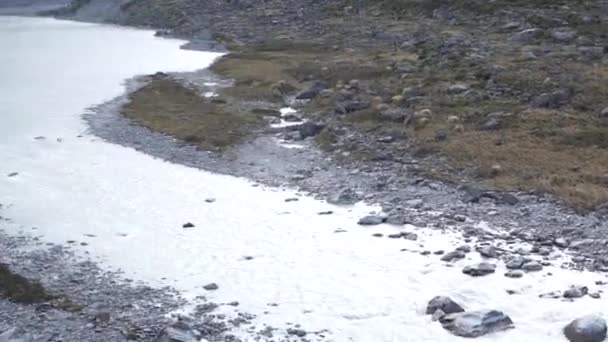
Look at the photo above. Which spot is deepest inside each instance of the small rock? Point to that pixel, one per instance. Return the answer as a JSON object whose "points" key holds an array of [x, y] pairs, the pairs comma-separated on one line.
{"points": [[488, 252], [594, 295], [445, 304], [177, 332], [311, 92], [296, 332], [188, 225], [371, 220], [532, 266], [563, 34], [211, 287], [394, 236], [527, 36], [457, 88], [210, 200], [464, 248], [398, 219], [516, 263], [13, 174], [561, 242], [590, 328], [476, 323], [328, 212], [453, 256], [292, 199], [576, 292], [310, 129], [479, 270], [344, 197], [514, 274], [409, 236]]}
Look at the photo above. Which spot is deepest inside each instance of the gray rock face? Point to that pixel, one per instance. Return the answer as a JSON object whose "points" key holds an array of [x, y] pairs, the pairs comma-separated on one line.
{"points": [[178, 332], [590, 328], [445, 304], [480, 269], [476, 323], [371, 220]]}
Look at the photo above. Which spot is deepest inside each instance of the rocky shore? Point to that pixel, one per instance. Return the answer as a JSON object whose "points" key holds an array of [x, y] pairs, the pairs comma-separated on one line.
{"points": [[360, 132]]}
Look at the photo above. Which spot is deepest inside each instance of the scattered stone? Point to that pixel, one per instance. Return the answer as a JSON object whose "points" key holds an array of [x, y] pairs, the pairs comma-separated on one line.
{"points": [[372, 220], [409, 236], [527, 36], [311, 92], [344, 197], [328, 212], [292, 199], [13, 174], [296, 332], [576, 292], [177, 332], [451, 256], [425, 252], [440, 252], [478, 270], [532, 266], [394, 236], [516, 263], [458, 88], [590, 328], [377, 235], [437, 315], [514, 274], [188, 225], [561, 242], [445, 304], [476, 323], [211, 287], [398, 219], [464, 248], [210, 200], [310, 129], [488, 252]]}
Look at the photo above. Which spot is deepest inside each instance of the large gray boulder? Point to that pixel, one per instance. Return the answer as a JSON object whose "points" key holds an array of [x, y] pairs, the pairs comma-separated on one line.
{"points": [[590, 328], [445, 304], [476, 323]]}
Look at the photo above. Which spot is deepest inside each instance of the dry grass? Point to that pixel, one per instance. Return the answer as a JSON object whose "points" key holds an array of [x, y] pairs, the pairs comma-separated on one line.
{"points": [[166, 106]]}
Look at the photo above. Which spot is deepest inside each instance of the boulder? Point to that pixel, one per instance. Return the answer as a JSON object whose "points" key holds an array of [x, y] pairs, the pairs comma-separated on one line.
{"points": [[590, 328], [516, 263], [443, 303], [476, 323], [478, 270]]}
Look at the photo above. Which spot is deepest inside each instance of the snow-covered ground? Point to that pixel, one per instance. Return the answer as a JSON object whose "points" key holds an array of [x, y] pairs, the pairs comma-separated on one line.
{"points": [[280, 259]]}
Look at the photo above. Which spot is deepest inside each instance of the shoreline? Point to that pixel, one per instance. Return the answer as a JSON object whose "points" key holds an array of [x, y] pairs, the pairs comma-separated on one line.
{"points": [[317, 173]]}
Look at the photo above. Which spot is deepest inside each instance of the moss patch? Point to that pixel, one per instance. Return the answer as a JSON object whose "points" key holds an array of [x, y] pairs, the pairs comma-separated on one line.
{"points": [[19, 289], [165, 105]]}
